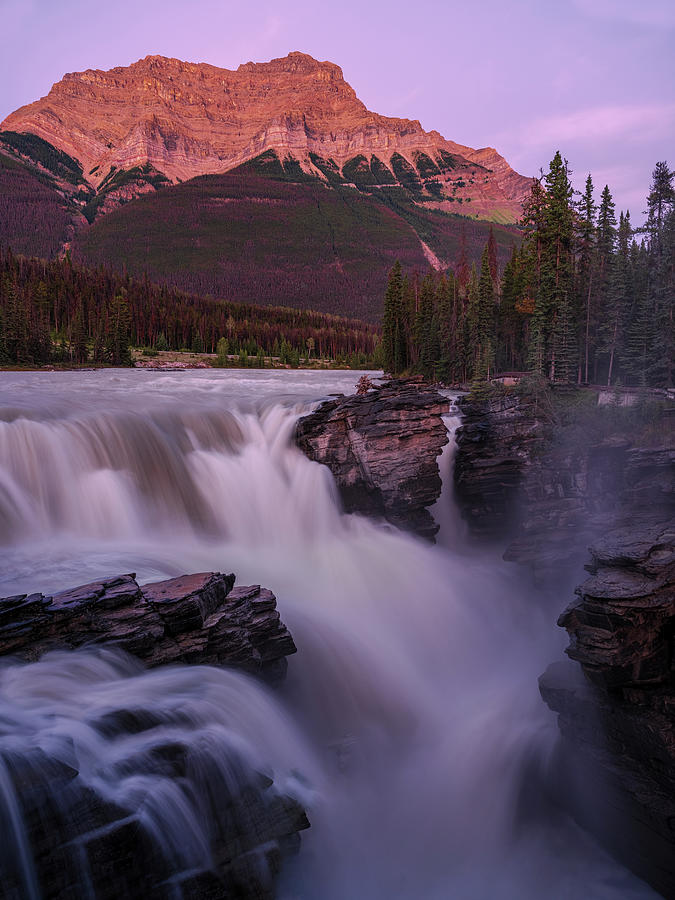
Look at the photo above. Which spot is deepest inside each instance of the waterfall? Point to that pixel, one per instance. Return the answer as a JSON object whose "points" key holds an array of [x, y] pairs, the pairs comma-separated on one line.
{"points": [[410, 725]]}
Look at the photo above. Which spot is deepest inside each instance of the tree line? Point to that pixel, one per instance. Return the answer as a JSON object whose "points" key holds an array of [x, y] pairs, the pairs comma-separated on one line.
{"points": [[60, 311], [585, 298]]}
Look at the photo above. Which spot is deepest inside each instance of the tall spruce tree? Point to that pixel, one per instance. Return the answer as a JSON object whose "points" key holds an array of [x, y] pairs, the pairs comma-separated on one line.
{"points": [[586, 256], [393, 324], [552, 349]]}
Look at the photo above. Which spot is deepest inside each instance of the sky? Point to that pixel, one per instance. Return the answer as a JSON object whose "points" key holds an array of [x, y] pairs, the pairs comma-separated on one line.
{"points": [[592, 78]]}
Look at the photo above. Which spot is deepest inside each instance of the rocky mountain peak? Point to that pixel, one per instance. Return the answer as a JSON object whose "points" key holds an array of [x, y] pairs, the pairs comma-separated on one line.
{"points": [[186, 119]]}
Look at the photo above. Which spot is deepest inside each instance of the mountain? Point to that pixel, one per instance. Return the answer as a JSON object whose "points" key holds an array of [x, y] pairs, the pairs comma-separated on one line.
{"points": [[269, 185], [163, 118], [271, 241]]}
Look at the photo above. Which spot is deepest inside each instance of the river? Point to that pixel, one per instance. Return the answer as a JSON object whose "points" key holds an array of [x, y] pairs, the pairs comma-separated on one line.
{"points": [[410, 724]]}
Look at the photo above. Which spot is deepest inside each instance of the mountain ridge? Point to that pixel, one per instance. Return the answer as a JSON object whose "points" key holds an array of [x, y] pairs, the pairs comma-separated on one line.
{"points": [[187, 119]]}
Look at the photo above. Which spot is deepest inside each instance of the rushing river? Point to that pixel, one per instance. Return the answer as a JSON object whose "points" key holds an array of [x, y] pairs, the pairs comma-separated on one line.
{"points": [[410, 724]]}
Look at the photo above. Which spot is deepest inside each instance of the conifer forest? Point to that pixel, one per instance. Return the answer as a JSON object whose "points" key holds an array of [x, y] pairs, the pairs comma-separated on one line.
{"points": [[585, 298]]}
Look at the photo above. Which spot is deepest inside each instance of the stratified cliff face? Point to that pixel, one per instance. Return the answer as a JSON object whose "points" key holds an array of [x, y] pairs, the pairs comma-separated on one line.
{"points": [[382, 448], [617, 752], [186, 119], [520, 477]]}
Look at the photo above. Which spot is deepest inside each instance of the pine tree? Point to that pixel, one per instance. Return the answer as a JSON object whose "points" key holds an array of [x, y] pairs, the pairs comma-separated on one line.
{"points": [[425, 334], [116, 339], [552, 332], [660, 201], [586, 251], [616, 307], [485, 330], [393, 327], [78, 340]]}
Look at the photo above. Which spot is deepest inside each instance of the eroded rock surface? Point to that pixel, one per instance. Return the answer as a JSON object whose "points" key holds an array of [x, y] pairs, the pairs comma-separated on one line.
{"points": [[198, 618], [94, 805], [382, 448], [186, 119], [545, 490], [617, 718]]}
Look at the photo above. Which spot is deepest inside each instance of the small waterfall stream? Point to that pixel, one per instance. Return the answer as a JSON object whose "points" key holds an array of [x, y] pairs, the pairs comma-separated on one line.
{"points": [[410, 725]]}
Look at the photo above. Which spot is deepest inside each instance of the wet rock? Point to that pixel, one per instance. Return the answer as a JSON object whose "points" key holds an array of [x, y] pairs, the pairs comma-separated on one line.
{"points": [[75, 844], [198, 618], [616, 712], [382, 448], [72, 841], [547, 492]]}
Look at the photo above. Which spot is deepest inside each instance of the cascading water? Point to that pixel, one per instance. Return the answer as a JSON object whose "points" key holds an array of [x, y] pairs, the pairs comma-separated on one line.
{"points": [[410, 724]]}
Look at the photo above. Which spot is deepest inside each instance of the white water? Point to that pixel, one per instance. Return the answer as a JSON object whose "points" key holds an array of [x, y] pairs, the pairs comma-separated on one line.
{"points": [[410, 721]]}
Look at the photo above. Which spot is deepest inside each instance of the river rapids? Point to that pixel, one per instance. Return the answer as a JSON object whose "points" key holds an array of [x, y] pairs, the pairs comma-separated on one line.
{"points": [[410, 725]]}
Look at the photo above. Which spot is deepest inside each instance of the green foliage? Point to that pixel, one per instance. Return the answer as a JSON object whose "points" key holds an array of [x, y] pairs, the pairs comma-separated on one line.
{"points": [[426, 167], [357, 171], [40, 151], [119, 178], [405, 174], [382, 174], [328, 167]]}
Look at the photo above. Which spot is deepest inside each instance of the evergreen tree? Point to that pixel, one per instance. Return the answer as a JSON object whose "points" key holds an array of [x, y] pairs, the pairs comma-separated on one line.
{"points": [[485, 323], [586, 250], [611, 332], [78, 340], [393, 327], [552, 340], [425, 333], [116, 338]]}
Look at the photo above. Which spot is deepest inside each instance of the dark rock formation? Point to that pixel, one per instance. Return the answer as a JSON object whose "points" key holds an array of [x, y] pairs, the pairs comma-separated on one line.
{"points": [[194, 619], [537, 473], [544, 487], [382, 448], [495, 444], [65, 836], [79, 844], [617, 723]]}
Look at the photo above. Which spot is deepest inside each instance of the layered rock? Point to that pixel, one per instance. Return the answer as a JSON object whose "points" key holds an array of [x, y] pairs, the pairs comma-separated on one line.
{"points": [[382, 448], [550, 490], [77, 844], [71, 831], [616, 721], [194, 619], [545, 488], [186, 119]]}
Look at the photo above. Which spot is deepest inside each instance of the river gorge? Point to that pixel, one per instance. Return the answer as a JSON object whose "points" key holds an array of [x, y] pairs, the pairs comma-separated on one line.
{"points": [[409, 727]]}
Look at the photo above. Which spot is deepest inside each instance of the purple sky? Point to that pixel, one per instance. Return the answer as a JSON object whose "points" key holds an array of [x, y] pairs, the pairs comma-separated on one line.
{"points": [[595, 78]]}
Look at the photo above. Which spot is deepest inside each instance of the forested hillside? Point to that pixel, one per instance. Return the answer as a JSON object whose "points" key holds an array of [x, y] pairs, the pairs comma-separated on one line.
{"points": [[584, 299], [62, 312], [272, 240]]}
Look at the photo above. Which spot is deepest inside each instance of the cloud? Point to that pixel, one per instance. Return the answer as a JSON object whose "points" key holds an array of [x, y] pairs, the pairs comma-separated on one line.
{"points": [[634, 123], [654, 13]]}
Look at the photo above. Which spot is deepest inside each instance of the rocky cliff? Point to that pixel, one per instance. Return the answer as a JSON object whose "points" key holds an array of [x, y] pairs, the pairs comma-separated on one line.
{"points": [[548, 473], [97, 800], [194, 619], [185, 119], [382, 448], [617, 751], [538, 473]]}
